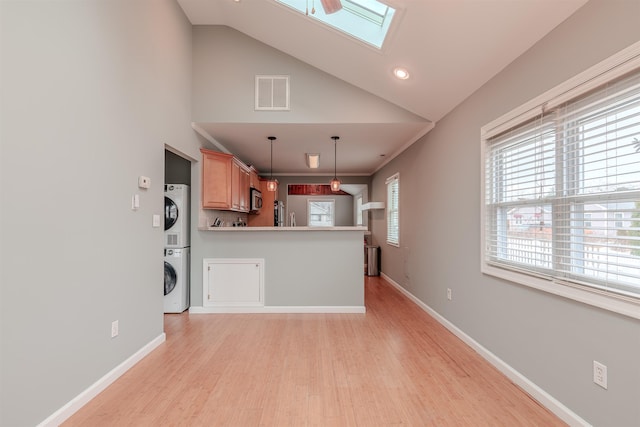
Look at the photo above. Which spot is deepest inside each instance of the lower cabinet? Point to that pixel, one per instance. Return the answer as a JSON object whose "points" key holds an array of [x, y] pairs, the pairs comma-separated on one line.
{"points": [[233, 282]]}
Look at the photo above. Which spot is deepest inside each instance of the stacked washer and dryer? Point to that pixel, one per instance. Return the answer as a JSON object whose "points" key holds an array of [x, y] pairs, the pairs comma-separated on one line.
{"points": [[176, 248]]}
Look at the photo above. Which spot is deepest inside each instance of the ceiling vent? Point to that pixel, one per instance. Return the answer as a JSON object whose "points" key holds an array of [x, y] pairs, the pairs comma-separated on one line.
{"points": [[272, 93]]}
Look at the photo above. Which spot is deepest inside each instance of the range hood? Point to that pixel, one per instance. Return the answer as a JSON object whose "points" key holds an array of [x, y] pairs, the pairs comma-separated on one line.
{"points": [[373, 205]]}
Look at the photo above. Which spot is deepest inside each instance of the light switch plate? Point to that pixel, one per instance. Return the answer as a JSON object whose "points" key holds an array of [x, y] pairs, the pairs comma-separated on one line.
{"points": [[156, 220], [144, 182], [135, 202]]}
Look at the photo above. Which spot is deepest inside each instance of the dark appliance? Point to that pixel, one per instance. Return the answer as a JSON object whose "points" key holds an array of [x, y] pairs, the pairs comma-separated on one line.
{"points": [[278, 213]]}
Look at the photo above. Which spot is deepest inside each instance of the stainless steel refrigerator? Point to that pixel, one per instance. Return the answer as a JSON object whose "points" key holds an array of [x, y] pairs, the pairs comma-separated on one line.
{"points": [[278, 213]]}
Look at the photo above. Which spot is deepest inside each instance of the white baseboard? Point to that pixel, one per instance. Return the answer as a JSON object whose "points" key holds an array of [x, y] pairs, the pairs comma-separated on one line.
{"points": [[83, 398], [544, 398], [280, 309]]}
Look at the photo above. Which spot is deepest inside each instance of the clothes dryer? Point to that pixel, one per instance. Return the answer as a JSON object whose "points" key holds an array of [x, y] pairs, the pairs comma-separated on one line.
{"points": [[176, 216], [176, 279]]}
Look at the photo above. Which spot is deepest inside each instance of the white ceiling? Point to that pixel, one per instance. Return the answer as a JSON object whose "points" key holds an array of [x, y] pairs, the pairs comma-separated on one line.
{"points": [[450, 47]]}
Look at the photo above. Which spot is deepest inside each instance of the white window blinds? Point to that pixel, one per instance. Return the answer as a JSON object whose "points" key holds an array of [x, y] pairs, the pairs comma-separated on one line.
{"points": [[321, 213], [562, 192], [393, 210]]}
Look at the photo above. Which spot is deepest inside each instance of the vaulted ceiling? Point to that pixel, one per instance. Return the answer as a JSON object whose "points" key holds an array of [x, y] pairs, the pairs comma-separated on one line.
{"points": [[450, 47]]}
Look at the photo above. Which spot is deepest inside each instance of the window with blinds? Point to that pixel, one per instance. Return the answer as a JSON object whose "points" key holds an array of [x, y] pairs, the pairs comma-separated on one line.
{"points": [[322, 213], [393, 210], [562, 191]]}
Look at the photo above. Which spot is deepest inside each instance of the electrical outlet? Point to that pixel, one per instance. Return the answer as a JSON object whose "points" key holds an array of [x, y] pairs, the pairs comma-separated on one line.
{"points": [[600, 374], [449, 294], [114, 329]]}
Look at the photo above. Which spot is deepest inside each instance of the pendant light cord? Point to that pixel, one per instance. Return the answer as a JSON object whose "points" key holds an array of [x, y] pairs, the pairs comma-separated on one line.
{"points": [[335, 156], [335, 159], [271, 138]]}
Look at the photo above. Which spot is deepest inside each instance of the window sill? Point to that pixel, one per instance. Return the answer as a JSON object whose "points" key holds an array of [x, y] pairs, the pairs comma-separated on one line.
{"points": [[611, 302]]}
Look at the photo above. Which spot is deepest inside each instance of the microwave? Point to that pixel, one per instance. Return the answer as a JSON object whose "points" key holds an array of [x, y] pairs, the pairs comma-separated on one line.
{"points": [[255, 200]]}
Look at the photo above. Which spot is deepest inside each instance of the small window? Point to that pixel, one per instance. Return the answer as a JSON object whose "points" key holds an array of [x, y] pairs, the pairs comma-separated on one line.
{"points": [[618, 216], [321, 213], [587, 220], [393, 210]]}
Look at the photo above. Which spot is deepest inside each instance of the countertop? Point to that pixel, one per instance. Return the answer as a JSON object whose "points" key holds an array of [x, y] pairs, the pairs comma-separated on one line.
{"points": [[246, 229]]}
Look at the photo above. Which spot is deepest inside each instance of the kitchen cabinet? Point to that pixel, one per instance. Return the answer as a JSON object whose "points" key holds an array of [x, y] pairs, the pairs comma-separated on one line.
{"points": [[235, 185], [243, 189], [216, 180], [254, 179], [225, 182]]}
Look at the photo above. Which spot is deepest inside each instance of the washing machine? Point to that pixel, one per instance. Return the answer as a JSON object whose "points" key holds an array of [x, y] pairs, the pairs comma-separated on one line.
{"points": [[176, 216], [176, 280]]}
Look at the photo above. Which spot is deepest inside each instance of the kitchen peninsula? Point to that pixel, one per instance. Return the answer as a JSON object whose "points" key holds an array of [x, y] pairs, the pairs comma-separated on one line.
{"points": [[282, 270]]}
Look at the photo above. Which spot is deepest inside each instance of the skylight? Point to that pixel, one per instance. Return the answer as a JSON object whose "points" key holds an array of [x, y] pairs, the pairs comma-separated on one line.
{"points": [[365, 20]]}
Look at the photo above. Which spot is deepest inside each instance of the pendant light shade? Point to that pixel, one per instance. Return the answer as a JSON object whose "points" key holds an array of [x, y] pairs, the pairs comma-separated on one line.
{"points": [[272, 184], [335, 182]]}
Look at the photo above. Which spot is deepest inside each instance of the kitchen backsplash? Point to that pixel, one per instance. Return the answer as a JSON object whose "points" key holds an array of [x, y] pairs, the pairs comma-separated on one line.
{"points": [[207, 217]]}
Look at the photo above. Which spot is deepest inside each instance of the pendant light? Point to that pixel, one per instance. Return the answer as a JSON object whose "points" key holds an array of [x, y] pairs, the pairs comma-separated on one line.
{"points": [[272, 184], [335, 182]]}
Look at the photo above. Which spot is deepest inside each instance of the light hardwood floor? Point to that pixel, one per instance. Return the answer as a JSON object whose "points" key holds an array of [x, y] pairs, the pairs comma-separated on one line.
{"points": [[394, 365]]}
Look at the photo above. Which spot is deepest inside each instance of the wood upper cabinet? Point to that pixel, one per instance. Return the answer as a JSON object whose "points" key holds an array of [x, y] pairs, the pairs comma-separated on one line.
{"points": [[254, 179], [225, 182], [245, 197], [235, 185], [240, 186], [216, 180]]}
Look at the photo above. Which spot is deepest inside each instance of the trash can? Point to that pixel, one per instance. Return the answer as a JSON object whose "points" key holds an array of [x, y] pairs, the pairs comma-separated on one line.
{"points": [[373, 260]]}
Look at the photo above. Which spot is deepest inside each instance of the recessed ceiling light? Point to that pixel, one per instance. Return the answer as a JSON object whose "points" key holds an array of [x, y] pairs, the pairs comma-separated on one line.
{"points": [[401, 73]]}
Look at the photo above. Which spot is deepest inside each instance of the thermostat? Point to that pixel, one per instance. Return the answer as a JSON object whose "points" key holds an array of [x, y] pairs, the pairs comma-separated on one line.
{"points": [[144, 182]]}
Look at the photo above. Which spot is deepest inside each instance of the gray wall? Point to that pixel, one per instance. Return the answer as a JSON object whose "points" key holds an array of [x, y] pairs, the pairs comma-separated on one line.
{"points": [[343, 208], [225, 93], [551, 340], [92, 91]]}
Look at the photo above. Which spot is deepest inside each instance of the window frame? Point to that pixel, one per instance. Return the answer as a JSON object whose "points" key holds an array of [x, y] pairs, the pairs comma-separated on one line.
{"points": [[310, 201], [608, 70], [393, 209], [356, 21]]}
